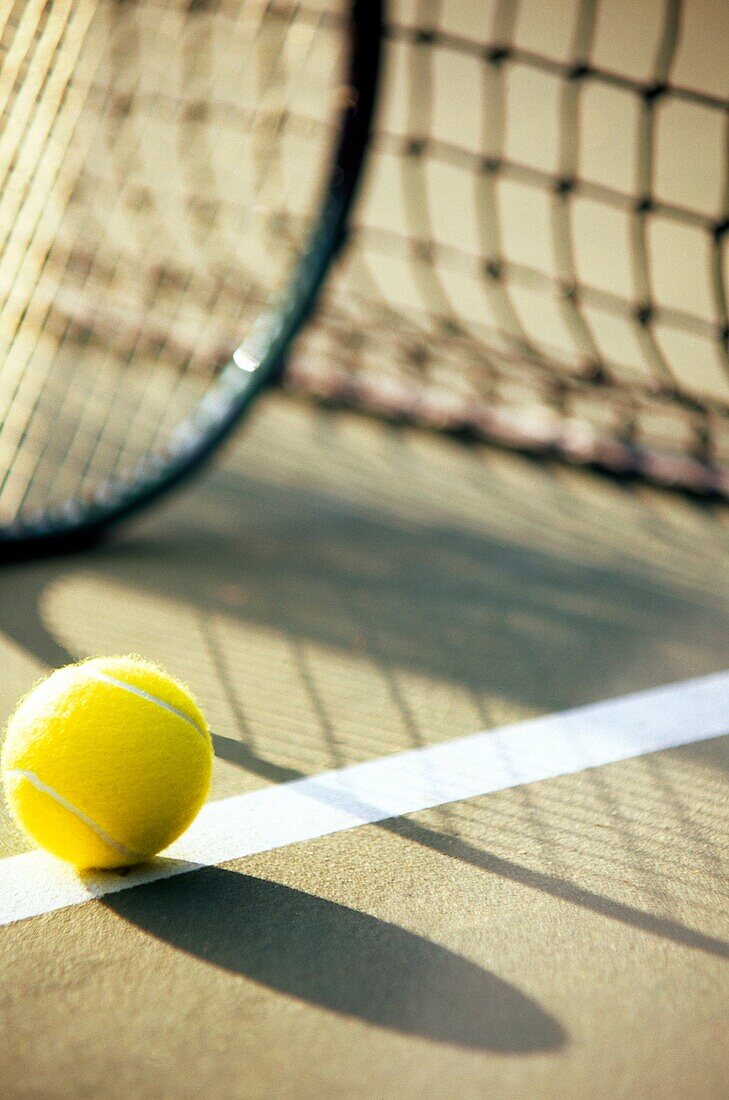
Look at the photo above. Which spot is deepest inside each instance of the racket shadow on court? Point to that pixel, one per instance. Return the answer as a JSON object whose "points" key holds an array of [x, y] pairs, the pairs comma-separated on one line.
{"points": [[341, 959]]}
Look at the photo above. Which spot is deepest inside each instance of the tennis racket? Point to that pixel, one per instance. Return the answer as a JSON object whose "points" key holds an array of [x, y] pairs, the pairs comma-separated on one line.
{"points": [[176, 178]]}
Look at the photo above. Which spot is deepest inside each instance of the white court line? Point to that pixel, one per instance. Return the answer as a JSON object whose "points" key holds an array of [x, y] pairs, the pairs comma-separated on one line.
{"points": [[526, 752]]}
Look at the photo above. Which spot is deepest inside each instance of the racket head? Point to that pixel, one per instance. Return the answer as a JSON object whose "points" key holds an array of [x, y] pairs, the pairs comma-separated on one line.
{"points": [[187, 180]]}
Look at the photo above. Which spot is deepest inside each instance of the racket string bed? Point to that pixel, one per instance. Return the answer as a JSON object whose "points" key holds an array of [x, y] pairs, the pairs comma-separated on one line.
{"points": [[172, 183]]}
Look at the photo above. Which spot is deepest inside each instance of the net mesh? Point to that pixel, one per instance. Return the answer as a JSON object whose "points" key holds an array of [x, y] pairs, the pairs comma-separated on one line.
{"points": [[540, 252]]}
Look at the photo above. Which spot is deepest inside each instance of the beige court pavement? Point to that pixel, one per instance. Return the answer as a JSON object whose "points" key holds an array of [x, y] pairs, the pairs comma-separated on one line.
{"points": [[334, 591]]}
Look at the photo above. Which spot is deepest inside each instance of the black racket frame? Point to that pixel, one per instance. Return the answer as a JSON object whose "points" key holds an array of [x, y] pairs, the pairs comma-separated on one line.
{"points": [[263, 353]]}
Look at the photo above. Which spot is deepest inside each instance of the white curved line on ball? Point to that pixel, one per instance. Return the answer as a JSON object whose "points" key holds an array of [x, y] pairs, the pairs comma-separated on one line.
{"points": [[39, 785], [107, 679]]}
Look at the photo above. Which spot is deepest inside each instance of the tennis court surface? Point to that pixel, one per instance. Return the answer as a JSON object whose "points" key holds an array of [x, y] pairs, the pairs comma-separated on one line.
{"points": [[456, 921]]}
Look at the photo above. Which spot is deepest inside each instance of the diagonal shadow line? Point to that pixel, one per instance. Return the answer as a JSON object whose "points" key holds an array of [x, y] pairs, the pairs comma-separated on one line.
{"points": [[556, 887], [664, 927]]}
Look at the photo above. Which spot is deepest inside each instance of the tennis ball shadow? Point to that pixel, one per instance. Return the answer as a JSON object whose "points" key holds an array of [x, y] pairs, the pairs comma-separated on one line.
{"points": [[343, 960]]}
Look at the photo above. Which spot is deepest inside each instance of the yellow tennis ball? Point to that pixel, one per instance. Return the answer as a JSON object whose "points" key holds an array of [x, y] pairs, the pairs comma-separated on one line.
{"points": [[107, 761]]}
